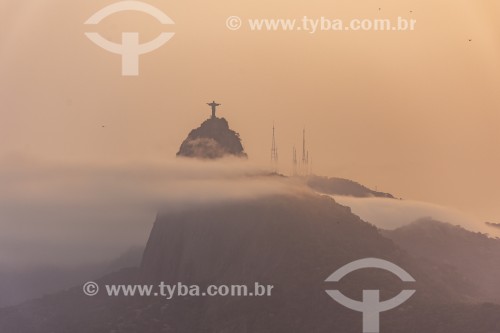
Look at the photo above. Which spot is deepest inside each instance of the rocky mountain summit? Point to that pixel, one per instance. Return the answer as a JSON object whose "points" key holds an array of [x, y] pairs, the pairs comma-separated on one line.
{"points": [[212, 140]]}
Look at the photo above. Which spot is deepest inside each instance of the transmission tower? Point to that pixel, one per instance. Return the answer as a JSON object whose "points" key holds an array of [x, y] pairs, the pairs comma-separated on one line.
{"points": [[274, 153]]}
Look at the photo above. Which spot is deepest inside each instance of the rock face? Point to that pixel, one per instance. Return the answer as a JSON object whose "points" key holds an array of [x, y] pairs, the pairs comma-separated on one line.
{"points": [[293, 242], [213, 139], [257, 238]]}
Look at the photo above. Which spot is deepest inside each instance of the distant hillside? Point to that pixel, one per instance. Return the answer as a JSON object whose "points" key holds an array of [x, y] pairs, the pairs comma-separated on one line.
{"points": [[18, 286], [340, 186], [213, 139], [474, 256], [292, 242]]}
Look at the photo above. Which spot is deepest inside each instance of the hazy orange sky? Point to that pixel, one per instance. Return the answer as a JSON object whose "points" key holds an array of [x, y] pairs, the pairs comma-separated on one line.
{"points": [[415, 113]]}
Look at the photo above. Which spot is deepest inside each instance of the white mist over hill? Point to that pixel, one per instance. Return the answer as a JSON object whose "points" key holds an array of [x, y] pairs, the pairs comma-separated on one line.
{"points": [[76, 213], [391, 213]]}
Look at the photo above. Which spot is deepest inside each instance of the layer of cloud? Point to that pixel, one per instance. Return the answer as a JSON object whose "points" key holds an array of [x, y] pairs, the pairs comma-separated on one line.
{"points": [[391, 214], [53, 213]]}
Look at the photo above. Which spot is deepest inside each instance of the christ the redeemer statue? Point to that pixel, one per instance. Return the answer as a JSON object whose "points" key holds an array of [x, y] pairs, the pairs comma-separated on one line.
{"points": [[214, 108]]}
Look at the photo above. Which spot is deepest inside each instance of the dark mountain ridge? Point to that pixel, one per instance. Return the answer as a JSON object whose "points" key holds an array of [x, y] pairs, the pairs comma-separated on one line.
{"points": [[345, 187], [474, 256], [293, 242]]}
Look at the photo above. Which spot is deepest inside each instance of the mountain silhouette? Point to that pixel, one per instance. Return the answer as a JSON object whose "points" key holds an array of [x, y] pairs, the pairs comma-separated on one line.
{"points": [[474, 256], [212, 140], [341, 186], [293, 242]]}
